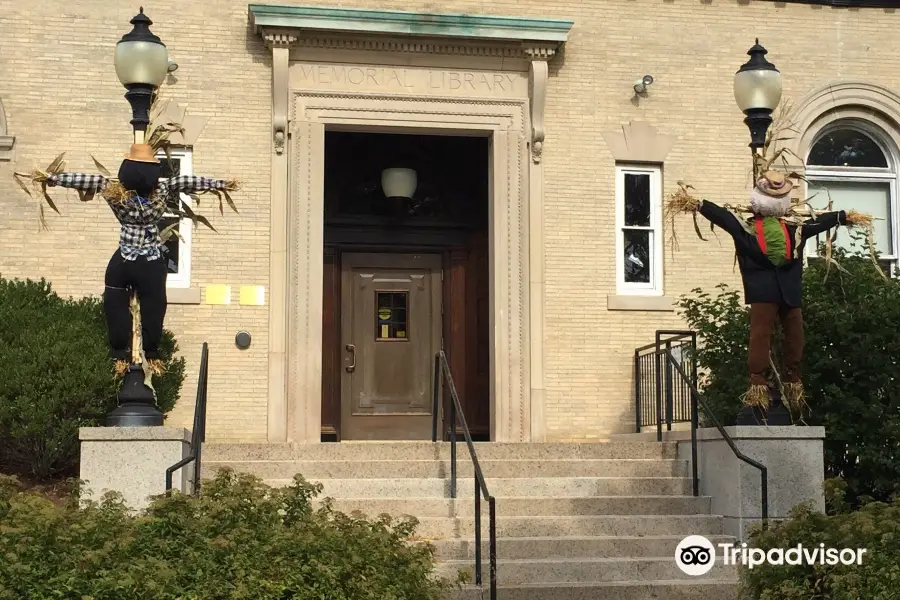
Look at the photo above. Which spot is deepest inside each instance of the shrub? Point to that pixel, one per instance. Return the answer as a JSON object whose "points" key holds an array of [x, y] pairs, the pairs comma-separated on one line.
{"points": [[875, 527], [57, 376], [851, 367], [238, 540]]}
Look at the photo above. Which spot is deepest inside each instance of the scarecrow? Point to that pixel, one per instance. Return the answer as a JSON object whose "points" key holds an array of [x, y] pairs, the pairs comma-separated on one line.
{"points": [[134, 297]]}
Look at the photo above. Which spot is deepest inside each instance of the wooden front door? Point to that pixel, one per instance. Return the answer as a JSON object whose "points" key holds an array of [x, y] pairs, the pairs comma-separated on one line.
{"points": [[390, 333]]}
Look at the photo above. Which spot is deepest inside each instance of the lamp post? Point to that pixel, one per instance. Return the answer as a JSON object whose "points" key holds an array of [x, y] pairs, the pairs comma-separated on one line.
{"points": [[142, 63], [757, 91]]}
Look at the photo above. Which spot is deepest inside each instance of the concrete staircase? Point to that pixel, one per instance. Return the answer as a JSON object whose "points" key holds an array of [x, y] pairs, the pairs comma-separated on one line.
{"points": [[574, 521]]}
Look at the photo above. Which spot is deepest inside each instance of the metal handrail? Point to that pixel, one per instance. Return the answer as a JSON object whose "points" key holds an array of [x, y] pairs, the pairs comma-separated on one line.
{"points": [[674, 337], [198, 433], [441, 375], [697, 400]]}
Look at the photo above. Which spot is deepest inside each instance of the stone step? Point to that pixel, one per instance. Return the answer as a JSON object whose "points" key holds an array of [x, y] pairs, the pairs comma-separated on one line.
{"points": [[536, 506], [699, 589], [436, 528], [439, 451], [566, 547], [551, 487], [422, 469], [584, 570]]}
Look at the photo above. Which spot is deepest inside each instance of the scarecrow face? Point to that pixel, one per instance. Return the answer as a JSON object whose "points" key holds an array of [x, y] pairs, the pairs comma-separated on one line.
{"points": [[765, 205], [139, 177]]}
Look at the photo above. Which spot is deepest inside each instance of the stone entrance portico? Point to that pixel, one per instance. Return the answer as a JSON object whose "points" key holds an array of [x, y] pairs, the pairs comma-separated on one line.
{"points": [[431, 73]]}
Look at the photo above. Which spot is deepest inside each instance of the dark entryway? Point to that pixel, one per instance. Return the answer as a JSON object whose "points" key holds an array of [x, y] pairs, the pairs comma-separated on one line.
{"points": [[424, 262]]}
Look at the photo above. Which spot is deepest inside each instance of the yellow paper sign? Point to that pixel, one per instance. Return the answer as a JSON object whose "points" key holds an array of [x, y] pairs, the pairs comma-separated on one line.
{"points": [[218, 293], [252, 295], [384, 314], [384, 331]]}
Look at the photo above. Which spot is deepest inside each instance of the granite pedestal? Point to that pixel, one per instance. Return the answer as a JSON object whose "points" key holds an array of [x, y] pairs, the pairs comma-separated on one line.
{"points": [[133, 461]]}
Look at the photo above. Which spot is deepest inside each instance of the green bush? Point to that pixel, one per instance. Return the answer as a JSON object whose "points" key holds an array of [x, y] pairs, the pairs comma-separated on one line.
{"points": [[56, 376], [875, 527], [238, 540], [851, 367]]}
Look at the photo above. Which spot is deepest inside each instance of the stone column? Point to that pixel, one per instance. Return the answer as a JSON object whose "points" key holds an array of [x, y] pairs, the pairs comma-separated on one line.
{"points": [[538, 75], [278, 251]]}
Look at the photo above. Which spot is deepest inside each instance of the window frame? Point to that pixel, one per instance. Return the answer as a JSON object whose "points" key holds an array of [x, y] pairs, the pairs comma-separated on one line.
{"points": [[182, 279], [655, 286], [890, 175]]}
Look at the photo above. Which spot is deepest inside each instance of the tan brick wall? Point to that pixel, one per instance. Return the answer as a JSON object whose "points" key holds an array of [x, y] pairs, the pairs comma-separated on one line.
{"points": [[60, 92]]}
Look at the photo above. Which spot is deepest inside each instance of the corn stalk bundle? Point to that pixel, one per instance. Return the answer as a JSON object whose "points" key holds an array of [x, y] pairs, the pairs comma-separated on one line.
{"points": [[683, 201]]}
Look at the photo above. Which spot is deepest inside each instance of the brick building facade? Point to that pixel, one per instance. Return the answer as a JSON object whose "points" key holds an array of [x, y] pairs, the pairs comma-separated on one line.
{"points": [[551, 89]]}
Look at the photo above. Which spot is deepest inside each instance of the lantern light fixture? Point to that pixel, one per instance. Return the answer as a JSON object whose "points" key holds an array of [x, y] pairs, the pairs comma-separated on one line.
{"points": [[757, 91], [142, 63], [399, 182]]}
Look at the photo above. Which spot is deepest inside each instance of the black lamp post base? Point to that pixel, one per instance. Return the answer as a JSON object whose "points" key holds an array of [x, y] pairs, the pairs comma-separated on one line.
{"points": [[134, 415], [136, 403]]}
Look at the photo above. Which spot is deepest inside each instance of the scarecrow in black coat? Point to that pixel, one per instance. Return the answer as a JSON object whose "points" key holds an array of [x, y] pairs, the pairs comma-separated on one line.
{"points": [[770, 256]]}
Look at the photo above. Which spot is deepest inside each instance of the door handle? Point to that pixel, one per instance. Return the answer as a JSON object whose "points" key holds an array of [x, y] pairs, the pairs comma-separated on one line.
{"points": [[352, 350]]}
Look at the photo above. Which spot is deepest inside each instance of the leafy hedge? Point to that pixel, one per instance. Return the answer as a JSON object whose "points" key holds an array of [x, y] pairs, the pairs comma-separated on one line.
{"points": [[238, 540], [56, 376], [851, 366], [875, 527]]}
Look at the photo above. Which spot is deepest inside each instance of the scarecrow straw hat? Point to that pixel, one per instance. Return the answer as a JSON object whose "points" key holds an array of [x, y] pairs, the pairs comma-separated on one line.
{"points": [[774, 184], [142, 153]]}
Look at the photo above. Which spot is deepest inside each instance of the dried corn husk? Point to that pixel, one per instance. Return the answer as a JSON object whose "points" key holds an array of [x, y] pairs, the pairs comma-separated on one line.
{"points": [[35, 183]]}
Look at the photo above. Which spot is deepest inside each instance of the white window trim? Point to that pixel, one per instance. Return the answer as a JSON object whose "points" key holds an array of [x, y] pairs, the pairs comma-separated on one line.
{"points": [[890, 175], [182, 279], [655, 287]]}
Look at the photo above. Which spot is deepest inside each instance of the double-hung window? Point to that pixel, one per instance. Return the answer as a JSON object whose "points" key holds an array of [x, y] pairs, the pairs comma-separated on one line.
{"points": [[852, 163], [639, 237], [178, 257]]}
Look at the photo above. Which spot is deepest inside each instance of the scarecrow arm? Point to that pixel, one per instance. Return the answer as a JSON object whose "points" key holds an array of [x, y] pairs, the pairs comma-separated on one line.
{"points": [[721, 217], [823, 222], [187, 184], [78, 181]]}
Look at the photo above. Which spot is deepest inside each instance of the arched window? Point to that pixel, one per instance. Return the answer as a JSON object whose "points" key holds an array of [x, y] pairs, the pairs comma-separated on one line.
{"points": [[851, 162]]}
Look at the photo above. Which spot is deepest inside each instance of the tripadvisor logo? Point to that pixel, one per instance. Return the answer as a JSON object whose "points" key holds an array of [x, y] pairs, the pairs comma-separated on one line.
{"points": [[695, 555]]}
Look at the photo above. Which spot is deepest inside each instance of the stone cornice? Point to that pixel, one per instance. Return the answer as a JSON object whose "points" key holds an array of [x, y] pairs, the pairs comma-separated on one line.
{"points": [[396, 31]]}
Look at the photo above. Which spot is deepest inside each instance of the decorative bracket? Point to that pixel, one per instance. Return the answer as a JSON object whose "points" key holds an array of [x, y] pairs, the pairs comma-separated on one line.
{"points": [[6, 141], [538, 75], [280, 44]]}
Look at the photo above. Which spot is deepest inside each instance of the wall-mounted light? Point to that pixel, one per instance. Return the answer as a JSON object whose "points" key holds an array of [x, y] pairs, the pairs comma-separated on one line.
{"points": [[173, 66], [642, 84], [399, 182]]}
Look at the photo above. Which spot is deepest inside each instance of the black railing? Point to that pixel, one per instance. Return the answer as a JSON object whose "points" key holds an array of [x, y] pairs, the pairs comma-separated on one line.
{"points": [[442, 375], [198, 433], [658, 396], [669, 373]]}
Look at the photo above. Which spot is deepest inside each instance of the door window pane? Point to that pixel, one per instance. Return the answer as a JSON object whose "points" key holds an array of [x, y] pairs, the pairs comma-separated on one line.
{"points": [[637, 199], [873, 198], [391, 315], [637, 255]]}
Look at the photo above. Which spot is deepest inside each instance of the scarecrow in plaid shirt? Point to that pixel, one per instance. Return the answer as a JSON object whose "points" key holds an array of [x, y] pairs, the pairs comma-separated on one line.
{"points": [[139, 198]]}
